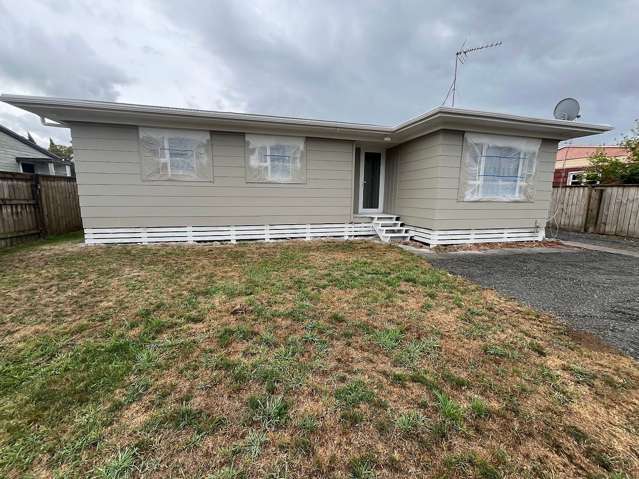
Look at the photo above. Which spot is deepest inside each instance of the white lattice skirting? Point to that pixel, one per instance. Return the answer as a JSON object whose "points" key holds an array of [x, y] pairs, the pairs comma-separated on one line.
{"points": [[192, 234], [495, 235]]}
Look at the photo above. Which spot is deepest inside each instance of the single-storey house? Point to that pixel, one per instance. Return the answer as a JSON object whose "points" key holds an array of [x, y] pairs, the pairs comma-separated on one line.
{"points": [[150, 174], [21, 155]]}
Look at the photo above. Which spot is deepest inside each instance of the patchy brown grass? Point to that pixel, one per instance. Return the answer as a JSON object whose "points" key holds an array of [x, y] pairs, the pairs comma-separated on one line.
{"points": [[319, 359]]}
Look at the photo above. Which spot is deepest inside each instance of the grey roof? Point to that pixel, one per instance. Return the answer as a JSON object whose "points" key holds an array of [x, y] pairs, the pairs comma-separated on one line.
{"points": [[69, 110], [29, 143]]}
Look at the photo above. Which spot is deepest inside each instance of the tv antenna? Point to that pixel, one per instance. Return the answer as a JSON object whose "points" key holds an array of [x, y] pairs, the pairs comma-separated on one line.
{"points": [[460, 57]]}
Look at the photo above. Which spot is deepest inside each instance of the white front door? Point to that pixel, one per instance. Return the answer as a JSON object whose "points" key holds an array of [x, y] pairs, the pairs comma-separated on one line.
{"points": [[372, 166]]}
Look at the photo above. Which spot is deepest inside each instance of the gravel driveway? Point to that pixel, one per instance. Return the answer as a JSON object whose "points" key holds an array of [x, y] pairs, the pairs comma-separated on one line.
{"points": [[590, 290]]}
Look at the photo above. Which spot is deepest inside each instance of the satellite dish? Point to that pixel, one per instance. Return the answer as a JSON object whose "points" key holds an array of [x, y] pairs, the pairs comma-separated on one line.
{"points": [[567, 109]]}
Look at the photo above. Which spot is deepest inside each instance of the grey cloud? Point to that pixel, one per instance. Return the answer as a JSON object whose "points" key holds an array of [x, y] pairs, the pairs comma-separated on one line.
{"points": [[385, 62], [360, 60], [58, 65]]}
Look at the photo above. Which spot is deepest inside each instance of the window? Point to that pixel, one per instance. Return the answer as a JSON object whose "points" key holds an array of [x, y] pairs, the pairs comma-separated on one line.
{"points": [[181, 155], [576, 178], [27, 167], [498, 168], [275, 159]]}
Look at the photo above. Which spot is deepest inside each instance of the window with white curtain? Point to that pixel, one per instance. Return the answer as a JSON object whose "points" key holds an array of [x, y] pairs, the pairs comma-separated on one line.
{"points": [[275, 159], [182, 155], [498, 168]]}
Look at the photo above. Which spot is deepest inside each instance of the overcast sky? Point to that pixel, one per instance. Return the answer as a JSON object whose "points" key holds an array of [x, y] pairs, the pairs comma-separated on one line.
{"points": [[364, 61]]}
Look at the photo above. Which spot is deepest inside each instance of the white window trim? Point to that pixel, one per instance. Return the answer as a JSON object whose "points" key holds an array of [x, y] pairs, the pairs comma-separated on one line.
{"points": [[571, 175]]}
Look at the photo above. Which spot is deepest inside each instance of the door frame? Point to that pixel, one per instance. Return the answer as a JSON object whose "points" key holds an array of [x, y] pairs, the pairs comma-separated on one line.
{"points": [[363, 149]]}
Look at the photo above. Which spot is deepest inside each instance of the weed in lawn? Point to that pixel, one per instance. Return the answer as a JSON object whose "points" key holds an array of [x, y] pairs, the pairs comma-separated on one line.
{"points": [[229, 334], [388, 339], [267, 338], [184, 416], [353, 394], [450, 410], [363, 467], [254, 442], [479, 408], [411, 354], [119, 467], [307, 423], [270, 411], [582, 375], [500, 351], [409, 422]]}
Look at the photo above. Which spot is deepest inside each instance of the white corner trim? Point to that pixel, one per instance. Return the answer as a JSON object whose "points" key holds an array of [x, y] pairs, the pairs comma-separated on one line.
{"points": [[470, 236], [231, 233]]}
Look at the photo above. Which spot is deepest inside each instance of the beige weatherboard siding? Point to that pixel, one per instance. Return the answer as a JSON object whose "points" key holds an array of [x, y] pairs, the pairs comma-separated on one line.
{"points": [[422, 172], [425, 178], [113, 194]]}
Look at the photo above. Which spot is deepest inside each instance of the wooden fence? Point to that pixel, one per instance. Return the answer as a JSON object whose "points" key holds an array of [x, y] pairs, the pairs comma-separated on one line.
{"points": [[34, 206], [611, 210]]}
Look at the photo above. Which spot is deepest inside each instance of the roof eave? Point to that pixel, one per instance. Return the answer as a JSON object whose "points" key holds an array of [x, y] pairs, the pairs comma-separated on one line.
{"points": [[469, 120], [79, 111], [69, 111]]}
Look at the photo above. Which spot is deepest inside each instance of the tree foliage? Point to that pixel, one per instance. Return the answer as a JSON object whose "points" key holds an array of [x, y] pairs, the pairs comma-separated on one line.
{"points": [[609, 170], [63, 151]]}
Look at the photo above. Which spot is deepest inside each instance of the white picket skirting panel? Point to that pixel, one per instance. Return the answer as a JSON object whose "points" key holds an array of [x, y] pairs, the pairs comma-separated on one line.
{"points": [[496, 235], [192, 234]]}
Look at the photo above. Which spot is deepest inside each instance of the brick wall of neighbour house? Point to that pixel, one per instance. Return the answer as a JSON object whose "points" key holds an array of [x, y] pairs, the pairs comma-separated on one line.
{"points": [[10, 149], [560, 177], [113, 194]]}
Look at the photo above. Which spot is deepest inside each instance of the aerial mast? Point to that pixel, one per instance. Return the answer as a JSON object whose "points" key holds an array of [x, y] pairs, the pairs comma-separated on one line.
{"points": [[460, 57]]}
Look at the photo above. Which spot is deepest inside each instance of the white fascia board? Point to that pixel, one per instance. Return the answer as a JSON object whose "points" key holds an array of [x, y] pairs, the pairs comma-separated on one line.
{"points": [[69, 111]]}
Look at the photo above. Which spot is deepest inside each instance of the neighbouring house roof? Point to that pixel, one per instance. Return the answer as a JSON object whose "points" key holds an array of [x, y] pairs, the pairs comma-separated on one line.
{"points": [[571, 157], [26, 141], [577, 152], [67, 111]]}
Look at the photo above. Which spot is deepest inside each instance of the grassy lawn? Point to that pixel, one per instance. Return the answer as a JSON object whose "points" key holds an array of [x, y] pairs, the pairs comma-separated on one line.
{"points": [[305, 359]]}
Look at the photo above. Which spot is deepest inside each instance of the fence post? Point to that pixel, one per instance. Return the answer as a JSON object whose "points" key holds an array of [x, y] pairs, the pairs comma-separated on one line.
{"points": [[592, 210], [38, 207]]}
